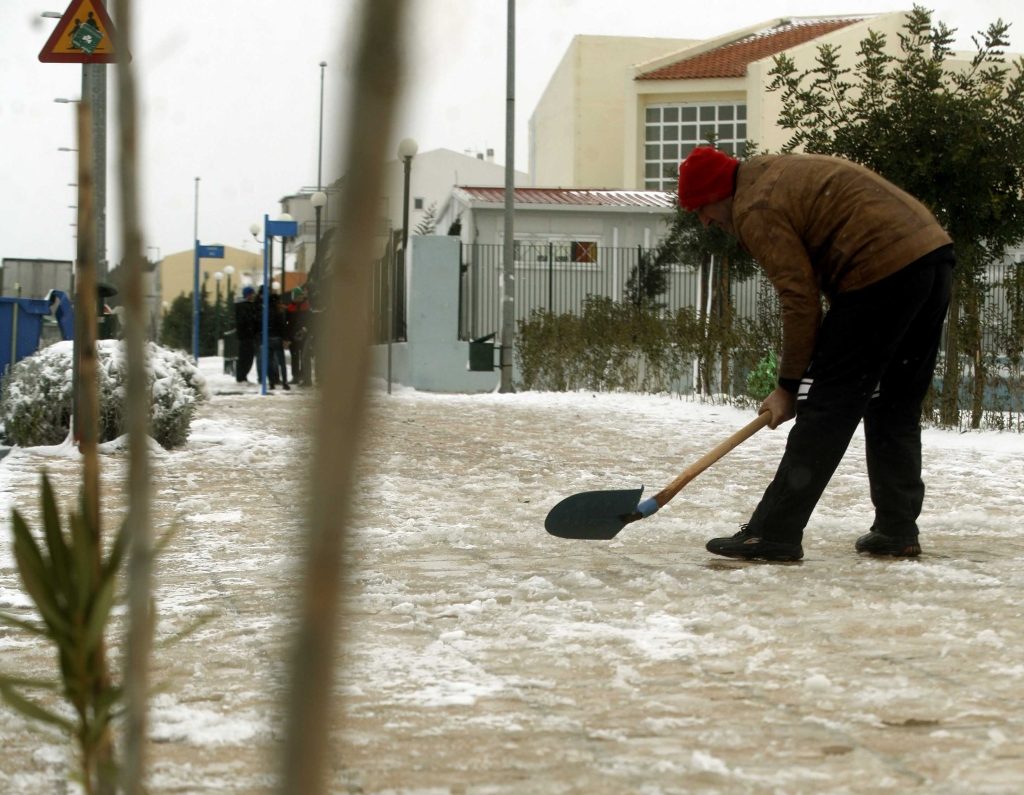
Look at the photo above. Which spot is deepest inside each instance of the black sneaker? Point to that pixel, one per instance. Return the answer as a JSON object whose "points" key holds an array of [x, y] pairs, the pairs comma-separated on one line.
{"points": [[875, 543], [749, 546]]}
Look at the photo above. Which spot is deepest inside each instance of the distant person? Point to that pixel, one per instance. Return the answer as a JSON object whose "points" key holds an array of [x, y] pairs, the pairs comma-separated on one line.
{"points": [[247, 329], [277, 373], [296, 331], [826, 227]]}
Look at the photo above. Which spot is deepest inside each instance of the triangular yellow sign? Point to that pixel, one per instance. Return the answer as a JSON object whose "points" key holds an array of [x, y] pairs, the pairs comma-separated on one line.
{"points": [[84, 34]]}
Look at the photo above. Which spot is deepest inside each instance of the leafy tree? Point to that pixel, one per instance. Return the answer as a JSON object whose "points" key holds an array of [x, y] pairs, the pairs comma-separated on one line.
{"points": [[948, 132], [722, 262], [176, 328], [648, 280]]}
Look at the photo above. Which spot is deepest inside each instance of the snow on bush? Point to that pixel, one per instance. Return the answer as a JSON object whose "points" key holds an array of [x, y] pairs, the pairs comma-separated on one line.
{"points": [[35, 403]]}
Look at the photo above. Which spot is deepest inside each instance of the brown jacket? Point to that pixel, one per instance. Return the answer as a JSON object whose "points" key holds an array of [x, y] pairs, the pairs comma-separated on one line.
{"points": [[821, 225]]}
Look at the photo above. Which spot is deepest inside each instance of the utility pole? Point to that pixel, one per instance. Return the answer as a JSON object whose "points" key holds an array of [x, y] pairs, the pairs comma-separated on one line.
{"points": [[508, 278]]}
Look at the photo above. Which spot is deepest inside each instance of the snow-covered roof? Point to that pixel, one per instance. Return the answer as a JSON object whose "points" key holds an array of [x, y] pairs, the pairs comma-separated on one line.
{"points": [[569, 197]]}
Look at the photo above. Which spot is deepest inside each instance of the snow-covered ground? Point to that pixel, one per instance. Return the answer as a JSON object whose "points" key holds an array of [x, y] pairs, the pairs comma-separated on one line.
{"points": [[484, 656]]}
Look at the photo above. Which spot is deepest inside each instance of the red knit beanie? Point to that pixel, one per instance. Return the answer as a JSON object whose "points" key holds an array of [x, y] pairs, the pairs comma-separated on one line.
{"points": [[705, 177]]}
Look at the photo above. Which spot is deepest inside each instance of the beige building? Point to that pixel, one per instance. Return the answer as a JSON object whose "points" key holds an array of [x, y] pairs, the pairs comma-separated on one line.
{"points": [[576, 131], [602, 122], [176, 273]]}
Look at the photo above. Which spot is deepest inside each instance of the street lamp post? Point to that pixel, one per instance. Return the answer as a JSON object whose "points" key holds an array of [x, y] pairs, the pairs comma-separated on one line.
{"points": [[218, 276], [406, 152], [318, 200], [285, 217], [229, 296]]}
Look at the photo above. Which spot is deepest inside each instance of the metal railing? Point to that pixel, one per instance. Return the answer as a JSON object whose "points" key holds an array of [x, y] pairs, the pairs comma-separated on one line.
{"points": [[559, 277]]}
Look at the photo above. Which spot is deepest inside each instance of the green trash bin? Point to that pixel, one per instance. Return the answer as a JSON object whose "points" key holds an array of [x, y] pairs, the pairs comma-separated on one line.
{"points": [[481, 354]]}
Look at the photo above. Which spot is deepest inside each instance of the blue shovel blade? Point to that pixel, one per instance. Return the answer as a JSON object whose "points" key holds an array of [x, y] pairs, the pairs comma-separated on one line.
{"points": [[595, 515]]}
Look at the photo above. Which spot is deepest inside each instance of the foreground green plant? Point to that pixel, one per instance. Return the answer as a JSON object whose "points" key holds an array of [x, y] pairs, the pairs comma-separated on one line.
{"points": [[762, 379], [73, 588]]}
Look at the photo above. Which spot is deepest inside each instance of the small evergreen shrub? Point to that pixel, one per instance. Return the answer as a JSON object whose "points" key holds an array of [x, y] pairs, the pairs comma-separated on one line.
{"points": [[36, 397], [762, 379]]}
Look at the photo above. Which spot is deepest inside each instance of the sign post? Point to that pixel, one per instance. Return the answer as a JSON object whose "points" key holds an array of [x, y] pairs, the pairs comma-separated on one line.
{"points": [[270, 229], [201, 252]]}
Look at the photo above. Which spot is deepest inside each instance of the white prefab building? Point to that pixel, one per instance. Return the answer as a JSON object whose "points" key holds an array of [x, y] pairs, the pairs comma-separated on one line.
{"points": [[608, 218]]}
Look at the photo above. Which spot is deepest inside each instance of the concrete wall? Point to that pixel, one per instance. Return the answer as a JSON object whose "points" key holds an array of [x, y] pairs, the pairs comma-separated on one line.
{"points": [[433, 359], [577, 128]]}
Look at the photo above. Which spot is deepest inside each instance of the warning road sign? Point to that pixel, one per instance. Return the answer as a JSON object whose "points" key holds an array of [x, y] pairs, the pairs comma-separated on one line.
{"points": [[84, 34]]}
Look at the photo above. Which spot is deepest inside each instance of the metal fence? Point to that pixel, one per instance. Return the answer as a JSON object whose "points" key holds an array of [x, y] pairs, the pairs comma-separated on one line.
{"points": [[558, 277], [387, 294]]}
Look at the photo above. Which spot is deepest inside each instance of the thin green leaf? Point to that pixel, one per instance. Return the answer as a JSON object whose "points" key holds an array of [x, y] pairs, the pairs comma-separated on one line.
{"points": [[103, 711], [165, 540], [98, 614], [24, 681], [82, 553], [60, 559], [32, 710], [187, 632], [35, 578], [23, 536], [117, 551], [28, 626]]}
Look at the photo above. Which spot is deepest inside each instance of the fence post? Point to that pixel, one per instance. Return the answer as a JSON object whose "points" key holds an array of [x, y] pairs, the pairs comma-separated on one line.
{"points": [[551, 275]]}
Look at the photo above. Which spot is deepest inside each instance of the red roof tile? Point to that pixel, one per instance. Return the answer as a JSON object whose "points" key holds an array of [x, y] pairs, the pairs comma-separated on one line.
{"points": [[573, 197], [731, 60]]}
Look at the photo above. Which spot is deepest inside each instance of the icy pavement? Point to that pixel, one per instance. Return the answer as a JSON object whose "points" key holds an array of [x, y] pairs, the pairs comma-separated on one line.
{"points": [[484, 656]]}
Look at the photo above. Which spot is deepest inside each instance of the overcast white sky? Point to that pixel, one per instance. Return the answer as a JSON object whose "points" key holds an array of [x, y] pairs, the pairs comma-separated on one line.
{"points": [[230, 93]]}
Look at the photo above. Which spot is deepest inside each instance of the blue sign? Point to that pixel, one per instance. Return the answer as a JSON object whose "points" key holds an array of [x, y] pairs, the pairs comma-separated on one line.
{"points": [[282, 228], [210, 252]]}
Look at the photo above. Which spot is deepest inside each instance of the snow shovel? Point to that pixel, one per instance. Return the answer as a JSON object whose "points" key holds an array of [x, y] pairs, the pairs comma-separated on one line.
{"points": [[600, 515]]}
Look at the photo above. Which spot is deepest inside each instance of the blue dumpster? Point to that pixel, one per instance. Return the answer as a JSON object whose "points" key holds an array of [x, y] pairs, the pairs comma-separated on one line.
{"points": [[21, 324]]}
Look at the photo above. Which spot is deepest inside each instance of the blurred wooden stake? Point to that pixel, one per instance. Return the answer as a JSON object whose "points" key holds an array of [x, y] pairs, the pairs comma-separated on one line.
{"points": [[343, 360], [139, 521], [86, 420]]}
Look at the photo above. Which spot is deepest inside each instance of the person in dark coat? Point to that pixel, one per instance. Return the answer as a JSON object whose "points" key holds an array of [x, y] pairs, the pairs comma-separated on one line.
{"points": [[247, 329], [825, 227], [296, 331], [277, 373]]}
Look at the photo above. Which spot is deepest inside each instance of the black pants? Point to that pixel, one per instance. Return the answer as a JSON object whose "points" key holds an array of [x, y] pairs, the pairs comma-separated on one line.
{"points": [[874, 360], [246, 354]]}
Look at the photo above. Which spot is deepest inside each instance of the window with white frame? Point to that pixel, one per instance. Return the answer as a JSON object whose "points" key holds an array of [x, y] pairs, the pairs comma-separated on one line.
{"points": [[542, 251], [671, 131]]}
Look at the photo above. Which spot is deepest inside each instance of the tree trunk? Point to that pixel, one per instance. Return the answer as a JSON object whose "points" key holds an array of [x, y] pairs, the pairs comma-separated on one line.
{"points": [[980, 374], [725, 322], [949, 402]]}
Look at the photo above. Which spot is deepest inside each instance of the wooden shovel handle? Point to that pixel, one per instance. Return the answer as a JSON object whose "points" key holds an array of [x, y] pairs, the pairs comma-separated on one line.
{"points": [[744, 433]]}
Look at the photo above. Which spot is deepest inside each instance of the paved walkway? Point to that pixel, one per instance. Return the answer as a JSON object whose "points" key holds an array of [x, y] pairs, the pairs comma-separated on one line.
{"points": [[485, 657]]}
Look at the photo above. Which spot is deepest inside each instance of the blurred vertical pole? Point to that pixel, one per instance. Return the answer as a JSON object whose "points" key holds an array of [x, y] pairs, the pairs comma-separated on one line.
{"points": [[268, 253], [195, 277], [341, 406], [94, 91], [139, 639], [87, 421], [508, 276]]}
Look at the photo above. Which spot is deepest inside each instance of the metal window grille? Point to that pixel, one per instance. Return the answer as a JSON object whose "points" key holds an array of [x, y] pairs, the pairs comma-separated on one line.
{"points": [[671, 131]]}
